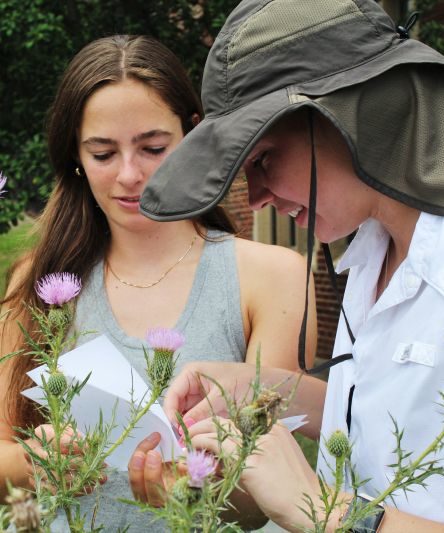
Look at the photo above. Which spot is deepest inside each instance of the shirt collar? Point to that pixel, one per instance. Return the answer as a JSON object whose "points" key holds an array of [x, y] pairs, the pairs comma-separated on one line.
{"points": [[371, 236], [426, 248], [423, 256]]}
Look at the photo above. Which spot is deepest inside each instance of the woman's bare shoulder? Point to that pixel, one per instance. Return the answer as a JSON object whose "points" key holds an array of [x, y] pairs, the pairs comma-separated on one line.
{"points": [[260, 258]]}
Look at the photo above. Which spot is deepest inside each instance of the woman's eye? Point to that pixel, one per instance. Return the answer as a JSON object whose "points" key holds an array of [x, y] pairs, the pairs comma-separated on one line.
{"points": [[155, 150], [260, 161], [102, 157]]}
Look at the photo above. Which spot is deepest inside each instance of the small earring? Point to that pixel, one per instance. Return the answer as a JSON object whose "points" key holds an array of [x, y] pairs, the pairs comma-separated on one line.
{"points": [[78, 172], [195, 119]]}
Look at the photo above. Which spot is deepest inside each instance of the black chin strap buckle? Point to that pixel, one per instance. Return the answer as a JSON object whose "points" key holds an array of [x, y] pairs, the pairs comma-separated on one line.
{"points": [[403, 31]]}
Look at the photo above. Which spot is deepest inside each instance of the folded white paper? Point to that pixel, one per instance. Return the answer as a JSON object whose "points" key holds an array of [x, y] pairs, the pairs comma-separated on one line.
{"points": [[109, 387], [294, 422]]}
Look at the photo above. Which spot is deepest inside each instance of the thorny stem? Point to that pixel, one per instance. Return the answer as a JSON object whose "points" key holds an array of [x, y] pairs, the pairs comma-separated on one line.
{"points": [[413, 466], [394, 485], [229, 484], [56, 423], [155, 394], [339, 478]]}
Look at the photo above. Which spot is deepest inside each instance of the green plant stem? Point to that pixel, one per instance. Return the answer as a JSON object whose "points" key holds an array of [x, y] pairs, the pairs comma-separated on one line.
{"points": [[54, 405], [413, 466], [154, 395], [229, 483], [339, 479], [402, 475]]}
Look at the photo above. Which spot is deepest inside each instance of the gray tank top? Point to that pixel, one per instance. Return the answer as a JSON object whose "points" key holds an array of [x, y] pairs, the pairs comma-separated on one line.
{"points": [[213, 329]]}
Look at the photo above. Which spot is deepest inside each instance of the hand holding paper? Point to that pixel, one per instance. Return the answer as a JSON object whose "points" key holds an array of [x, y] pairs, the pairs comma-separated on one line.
{"points": [[112, 389], [112, 386]]}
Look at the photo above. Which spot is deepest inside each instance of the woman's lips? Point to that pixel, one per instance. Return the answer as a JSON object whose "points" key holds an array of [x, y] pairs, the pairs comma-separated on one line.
{"points": [[295, 212], [129, 202], [300, 215]]}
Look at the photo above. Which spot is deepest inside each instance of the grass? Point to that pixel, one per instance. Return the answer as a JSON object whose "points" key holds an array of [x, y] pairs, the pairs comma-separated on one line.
{"points": [[18, 240], [310, 449], [12, 245]]}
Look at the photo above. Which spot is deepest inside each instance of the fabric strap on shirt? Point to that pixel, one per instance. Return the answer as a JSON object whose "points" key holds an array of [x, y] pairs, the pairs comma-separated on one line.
{"points": [[328, 259]]}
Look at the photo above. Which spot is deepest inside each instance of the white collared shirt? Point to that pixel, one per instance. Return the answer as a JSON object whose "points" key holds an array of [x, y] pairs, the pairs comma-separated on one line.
{"points": [[398, 361]]}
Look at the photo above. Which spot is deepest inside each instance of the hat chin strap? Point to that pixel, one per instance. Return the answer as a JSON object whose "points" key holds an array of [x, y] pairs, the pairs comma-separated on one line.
{"points": [[330, 268]]}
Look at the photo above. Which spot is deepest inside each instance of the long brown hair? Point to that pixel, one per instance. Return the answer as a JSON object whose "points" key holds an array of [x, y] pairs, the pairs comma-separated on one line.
{"points": [[74, 232]]}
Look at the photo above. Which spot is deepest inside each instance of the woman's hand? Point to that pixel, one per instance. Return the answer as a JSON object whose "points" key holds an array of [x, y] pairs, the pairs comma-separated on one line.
{"points": [[191, 393], [149, 477], [277, 475], [196, 397], [69, 444]]}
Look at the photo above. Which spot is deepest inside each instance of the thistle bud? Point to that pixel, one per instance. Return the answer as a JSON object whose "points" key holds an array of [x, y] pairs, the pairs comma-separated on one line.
{"points": [[58, 318], [270, 401], [247, 420], [161, 368], [338, 445], [260, 415], [164, 342], [57, 384], [181, 489], [25, 511], [185, 494]]}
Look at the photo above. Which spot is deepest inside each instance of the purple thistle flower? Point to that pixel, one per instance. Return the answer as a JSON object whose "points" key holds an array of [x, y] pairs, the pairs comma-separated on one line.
{"points": [[3, 180], [164, 339], [200, 465], [59, 288]]}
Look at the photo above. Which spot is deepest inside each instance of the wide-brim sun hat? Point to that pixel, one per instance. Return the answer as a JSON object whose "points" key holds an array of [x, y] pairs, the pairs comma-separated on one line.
{"points": [[344, 58]]}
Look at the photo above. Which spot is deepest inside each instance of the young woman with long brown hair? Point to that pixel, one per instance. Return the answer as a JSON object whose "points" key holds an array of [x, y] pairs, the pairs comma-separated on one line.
{"points": [[123, 104]]}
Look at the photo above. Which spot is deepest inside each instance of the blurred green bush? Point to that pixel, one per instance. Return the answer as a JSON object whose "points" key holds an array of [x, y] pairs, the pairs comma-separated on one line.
{"points": [[39, 37]]}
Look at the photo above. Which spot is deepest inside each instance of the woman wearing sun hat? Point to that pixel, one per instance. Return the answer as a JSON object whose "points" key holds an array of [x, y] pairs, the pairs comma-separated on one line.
{"points": [[337, 118]]}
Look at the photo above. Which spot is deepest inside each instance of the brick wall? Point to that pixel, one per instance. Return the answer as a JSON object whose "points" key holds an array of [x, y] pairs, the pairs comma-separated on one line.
{"points": [[327, 306], [236, 203]]}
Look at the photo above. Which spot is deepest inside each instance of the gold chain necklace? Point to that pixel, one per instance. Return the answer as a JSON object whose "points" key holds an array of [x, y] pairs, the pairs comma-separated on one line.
{"points": [[161, 277]]}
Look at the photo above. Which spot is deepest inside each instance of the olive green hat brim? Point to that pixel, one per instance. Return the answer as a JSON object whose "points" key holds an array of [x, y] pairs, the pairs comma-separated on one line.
{"points": [[198, 174]]}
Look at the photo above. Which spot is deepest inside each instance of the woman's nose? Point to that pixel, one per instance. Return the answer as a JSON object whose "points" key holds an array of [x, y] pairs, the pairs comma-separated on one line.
{"points": [[258, 194], [130, 173]]}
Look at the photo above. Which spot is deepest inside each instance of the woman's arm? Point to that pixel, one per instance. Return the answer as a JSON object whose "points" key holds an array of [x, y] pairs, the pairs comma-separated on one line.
{"points": [[272, 286], [14, 466]]}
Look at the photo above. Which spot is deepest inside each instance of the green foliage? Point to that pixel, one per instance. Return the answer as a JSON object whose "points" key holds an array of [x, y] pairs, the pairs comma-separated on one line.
{"points": [[408, 474], [13, 244], [39, 37], [201, 508], [431, 31], [66, 463]]}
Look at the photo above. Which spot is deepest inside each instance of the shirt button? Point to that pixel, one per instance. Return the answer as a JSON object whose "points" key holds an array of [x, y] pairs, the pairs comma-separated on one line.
{"points": [[412, 281]]}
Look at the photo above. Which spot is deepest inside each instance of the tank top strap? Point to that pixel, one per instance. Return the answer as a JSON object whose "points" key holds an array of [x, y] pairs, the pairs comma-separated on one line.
{"points": [[216, 291]]}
